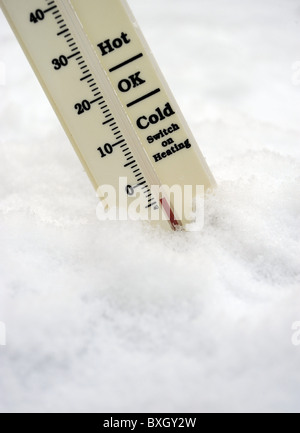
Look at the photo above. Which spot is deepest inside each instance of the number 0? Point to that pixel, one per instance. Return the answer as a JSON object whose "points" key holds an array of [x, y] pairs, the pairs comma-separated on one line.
{"points": [[129, 190]]}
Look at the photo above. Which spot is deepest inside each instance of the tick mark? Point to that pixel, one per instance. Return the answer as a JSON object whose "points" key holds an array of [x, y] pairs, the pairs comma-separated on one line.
{"points": [[129, 163], [73, 55], [50, 9], [96, 100], [86, 77], [61, 33]]}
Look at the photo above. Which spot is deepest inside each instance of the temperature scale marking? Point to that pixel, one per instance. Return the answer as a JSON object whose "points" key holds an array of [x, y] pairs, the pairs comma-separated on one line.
{"points": [[112, 100]]}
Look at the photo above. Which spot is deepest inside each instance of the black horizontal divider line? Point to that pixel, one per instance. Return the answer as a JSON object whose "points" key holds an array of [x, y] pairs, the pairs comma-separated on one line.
{"points": [[127, 62], [142, 98]]}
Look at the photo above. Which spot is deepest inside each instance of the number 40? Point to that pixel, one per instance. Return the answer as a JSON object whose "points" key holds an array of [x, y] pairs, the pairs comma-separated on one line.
{"points": [[37, 16]]}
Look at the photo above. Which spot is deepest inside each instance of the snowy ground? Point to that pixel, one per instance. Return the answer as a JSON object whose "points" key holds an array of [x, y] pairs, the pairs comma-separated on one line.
{"points": [[116, 317]]}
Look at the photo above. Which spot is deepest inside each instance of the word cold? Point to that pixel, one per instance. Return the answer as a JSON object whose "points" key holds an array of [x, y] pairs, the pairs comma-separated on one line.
{"points": [[160, 114], [109, 45]]}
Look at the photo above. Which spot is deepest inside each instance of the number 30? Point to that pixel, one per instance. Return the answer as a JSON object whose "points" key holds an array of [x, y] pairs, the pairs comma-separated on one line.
{"points": [[60, 62]]}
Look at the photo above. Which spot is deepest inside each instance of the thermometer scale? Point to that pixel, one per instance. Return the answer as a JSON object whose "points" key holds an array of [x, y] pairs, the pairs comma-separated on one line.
{"points": [[113, 102]]}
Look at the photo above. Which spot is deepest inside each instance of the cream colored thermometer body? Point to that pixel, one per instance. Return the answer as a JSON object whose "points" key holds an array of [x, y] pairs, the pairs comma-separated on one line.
{"points": [[108, 93]]}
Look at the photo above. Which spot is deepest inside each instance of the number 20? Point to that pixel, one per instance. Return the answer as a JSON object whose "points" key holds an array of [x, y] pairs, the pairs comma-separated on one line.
{"points": [[81, 108]]}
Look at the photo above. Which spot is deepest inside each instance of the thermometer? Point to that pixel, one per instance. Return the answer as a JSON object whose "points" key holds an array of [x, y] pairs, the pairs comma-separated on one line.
{"points": [[114, 104]]}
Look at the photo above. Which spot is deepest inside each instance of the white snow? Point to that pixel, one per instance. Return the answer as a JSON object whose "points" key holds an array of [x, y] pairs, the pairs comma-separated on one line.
{"points": [[118, 317]]}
